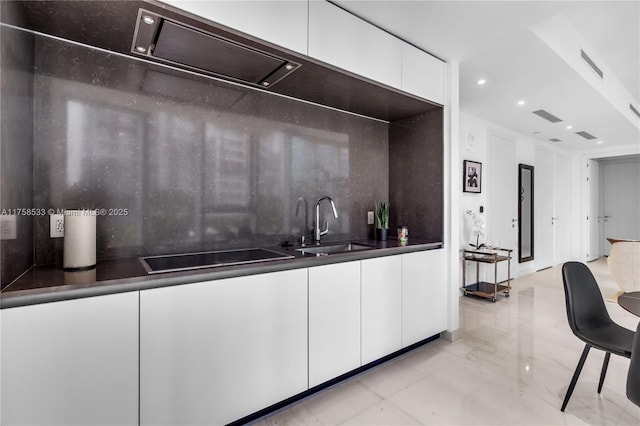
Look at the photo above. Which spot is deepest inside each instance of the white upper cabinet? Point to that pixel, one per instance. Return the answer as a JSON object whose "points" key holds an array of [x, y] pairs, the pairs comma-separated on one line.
{"points": [[326, 32], [424, 295], [71, 363], [280, 22], [422, 74], [346, 41]]}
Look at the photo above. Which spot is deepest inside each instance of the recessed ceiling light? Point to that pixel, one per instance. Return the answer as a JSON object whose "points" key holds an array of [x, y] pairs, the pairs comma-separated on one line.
{"points": [[569, 127], [141, 49], [600, 142], [148, 20], [482, 81], [521, 102]]}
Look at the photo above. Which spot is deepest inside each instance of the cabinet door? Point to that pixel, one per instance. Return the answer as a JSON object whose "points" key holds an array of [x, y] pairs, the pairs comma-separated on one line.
{"points": [[381, 307], [334, 321], [344, 40], [216, 351], [422, 74], [71, 363], [424, 295], [280, 22]]}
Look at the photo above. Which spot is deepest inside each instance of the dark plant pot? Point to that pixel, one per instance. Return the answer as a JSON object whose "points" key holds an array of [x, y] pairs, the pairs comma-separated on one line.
{"points": [[381, 234]]}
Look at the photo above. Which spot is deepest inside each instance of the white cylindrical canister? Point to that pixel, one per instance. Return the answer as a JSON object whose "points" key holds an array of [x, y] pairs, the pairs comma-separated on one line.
{"points": [[79, 239]]}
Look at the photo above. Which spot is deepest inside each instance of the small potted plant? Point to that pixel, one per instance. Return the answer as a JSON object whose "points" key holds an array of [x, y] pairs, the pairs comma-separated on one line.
{"points": [[382, 220]]}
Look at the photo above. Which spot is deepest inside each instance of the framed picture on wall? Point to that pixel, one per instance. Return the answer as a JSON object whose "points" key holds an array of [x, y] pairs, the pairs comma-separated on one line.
{"points": [[472, 177]]}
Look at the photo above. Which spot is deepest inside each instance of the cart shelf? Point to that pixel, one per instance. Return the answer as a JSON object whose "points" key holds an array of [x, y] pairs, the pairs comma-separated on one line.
{"points": [[488, 290]]}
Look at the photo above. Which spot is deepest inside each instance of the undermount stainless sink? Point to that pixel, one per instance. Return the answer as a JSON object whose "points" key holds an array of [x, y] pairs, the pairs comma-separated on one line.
{"points": [[335, 248]]}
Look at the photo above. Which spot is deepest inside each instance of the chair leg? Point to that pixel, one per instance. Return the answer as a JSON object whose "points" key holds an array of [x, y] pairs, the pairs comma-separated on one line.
{"points": [[576, 374], [603, 373]]}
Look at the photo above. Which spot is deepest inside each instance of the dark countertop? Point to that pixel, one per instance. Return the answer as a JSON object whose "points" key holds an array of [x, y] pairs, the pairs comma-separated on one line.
{"points": [[43, 284]]}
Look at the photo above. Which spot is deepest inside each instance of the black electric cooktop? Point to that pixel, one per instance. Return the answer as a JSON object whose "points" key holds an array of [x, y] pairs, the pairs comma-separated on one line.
{"points": [[185, 262]]}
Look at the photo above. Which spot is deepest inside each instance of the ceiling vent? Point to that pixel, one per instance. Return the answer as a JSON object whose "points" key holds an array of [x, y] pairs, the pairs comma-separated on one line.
{"points": [[591, 64], [634, 109], [586, 135], [555, 140], [544, 114]]}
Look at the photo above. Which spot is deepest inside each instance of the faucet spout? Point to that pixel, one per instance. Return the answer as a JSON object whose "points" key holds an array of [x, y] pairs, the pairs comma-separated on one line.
{"points": [[318, 232]]}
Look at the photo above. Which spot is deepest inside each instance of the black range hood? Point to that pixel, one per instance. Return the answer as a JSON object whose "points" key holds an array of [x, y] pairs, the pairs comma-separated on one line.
{"points": [[160, 38]]}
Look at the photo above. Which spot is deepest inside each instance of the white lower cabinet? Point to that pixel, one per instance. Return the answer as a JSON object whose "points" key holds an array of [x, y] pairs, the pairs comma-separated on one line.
{"points": [[424, 295], [334, 321], [381, 300], [71, 363], [216, 351]]}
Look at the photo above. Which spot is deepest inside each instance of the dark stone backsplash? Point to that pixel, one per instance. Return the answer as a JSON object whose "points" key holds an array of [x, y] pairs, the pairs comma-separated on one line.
{"points": [[16, 169], [182, 162]]}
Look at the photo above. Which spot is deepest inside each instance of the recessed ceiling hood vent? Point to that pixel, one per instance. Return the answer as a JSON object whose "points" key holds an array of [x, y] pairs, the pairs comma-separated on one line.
{"points": [[547, 116], [162, 39], [555, 140], [586, 135], [591, 64]]}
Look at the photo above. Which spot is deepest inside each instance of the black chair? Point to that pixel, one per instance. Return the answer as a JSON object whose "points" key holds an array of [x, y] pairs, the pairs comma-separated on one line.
{"points": [[633, 377], [590, 322]]}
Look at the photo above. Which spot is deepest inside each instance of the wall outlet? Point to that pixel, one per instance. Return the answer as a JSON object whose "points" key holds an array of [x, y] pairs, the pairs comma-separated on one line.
{"points": [[370, 220], [56, 225], [8, 227]]}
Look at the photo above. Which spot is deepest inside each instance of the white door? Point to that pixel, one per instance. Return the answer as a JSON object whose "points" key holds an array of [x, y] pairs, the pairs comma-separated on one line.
{"points": [[561, 223], [621, 200], [543, 197], [593, 185], [502, 197]]}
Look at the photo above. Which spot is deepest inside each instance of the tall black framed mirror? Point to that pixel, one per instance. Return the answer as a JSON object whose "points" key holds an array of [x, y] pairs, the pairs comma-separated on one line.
{"points": [[525, 213]]}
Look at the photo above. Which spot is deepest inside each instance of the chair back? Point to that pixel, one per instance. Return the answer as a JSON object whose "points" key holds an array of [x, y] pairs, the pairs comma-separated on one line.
{"points": [[585, 306], [633, 377]]}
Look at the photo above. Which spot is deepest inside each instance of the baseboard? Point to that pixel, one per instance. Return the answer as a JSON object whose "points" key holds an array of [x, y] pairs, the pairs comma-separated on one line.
{"points": [[451, 336]]}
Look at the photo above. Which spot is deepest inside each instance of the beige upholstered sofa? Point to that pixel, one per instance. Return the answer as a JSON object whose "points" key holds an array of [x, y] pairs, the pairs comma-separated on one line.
{"points": [[624, 264]]}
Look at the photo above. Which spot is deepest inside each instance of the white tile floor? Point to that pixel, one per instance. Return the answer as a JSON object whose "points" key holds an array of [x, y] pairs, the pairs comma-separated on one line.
{"points": [[511, 367]]}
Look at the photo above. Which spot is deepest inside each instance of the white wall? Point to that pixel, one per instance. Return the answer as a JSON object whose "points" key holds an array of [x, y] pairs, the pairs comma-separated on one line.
{"points": [[525, 149], [473, 146], [452, 197]]}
